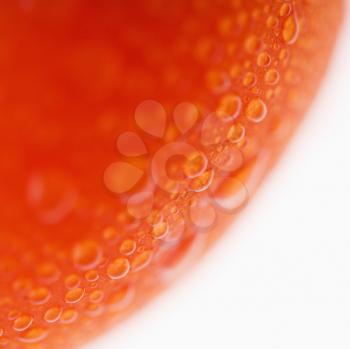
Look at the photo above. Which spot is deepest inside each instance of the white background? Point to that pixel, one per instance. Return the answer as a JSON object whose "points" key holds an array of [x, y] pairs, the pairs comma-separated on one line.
{"points": [[281, 278]]}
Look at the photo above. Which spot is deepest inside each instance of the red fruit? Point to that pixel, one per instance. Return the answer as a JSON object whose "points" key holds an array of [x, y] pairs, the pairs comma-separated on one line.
{"points": [[131, 134]]}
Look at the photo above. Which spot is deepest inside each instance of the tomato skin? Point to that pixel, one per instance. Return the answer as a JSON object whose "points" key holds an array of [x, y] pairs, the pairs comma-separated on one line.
{"points": [[230, 81]]}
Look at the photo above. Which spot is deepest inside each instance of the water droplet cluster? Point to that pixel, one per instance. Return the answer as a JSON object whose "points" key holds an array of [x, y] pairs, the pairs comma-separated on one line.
{"points": [[94, 241]]}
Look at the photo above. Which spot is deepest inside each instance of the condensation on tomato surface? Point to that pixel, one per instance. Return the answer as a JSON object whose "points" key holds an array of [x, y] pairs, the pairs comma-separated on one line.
{"points": [[131, 134]]}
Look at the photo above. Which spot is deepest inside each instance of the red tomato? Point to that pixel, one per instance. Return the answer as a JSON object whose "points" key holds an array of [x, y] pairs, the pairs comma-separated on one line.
{"points": [[131, 134]]}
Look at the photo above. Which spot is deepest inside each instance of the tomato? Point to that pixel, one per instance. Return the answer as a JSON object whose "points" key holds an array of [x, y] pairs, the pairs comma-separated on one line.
{"points": [[132, 134]]}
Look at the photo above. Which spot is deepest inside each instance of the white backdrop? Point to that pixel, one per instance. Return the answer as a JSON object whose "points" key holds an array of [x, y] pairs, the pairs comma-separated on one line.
{"points": [[281, 278]]}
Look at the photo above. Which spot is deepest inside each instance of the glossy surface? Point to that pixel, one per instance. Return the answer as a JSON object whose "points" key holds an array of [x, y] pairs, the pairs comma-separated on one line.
{"points": [[131, 135]]}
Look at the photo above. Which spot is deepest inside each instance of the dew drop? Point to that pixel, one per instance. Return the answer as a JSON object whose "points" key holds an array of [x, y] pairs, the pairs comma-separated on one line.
{"points": [[202, 182], [33, 335], [39, 295], [151, 117], [87, 254], [195, 164], [121, 298], [127, 247], [290, 31], [185, 116], [74, 296], [285, 9], [92, 275], [212, 130], [53, 314], [68, 316], [231, 195], [263, 59], [160, 230], [272, 77], [154, 217], [130, 144], [249, 80], [229, 107], [236, 133], [120, 177], [22, 323], [228, 159], [252, 44], [141, 261], [96, 296], [272, 22], [94, 309], [118, 269], [72, 281], [13, 314], [256, 110], [202, 213]]}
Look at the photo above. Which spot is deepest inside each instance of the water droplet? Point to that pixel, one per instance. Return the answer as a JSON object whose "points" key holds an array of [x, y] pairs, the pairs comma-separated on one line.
{"points": [[141, 261], [39, 295], [285, 9], [160, 230], [151, 117], [154, 217], [74, 296], [53, 314], [121, 298], [229, 107], [185, 116], [236, 133], [34, 335], [256, 110], [291, 29], [228, 159], [69, 316], [87, 254], [272, 22], [202, 182], [252, 44], [130, 144], [94, 309], [120, 177], [13, 314], [22, 323], [96, 296], [230, 195], [92, 275], [264, 59], [249, 80], [127, 247], [118, 269], [202, 213], [272, 76], [213, 130], [195, 164], [72, 281]]}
